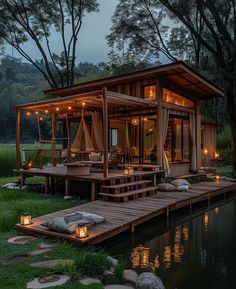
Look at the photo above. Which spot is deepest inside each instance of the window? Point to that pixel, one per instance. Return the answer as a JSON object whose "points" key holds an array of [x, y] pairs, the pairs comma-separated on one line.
{"points": [[172, 97], [114, 137], [150, 92], [177, 145]]}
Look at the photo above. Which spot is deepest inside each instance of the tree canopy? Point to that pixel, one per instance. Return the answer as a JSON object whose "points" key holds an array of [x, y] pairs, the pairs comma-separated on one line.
{"points": [[202, 32], [37, 21]]}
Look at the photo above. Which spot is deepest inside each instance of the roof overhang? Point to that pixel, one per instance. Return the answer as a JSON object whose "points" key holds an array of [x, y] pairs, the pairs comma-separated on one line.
{"points": [[177, 73], [91, 101]]}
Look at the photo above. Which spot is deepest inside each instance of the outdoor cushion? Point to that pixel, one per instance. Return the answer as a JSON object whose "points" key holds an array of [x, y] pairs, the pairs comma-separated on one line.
{"points": [[95, 157], [166, 187], [68, 223], [183, 188], [180, 182]]}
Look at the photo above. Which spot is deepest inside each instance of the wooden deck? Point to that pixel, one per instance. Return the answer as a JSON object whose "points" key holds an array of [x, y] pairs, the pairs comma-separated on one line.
{"points": [[122, 217]]}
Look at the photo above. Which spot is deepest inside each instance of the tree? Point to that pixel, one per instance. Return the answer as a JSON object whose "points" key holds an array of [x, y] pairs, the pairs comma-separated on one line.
{"points": [[36, 21], [210, 23]]}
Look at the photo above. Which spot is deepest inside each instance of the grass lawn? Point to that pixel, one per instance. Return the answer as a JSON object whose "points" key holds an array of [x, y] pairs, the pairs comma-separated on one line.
{"points": [[226, 171], [12, 204]]}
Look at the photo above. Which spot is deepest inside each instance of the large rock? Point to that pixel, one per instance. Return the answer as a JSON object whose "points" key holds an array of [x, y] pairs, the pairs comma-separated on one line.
{"points": [[148, 280], [89, 281], [115, 286], [130, 276]]}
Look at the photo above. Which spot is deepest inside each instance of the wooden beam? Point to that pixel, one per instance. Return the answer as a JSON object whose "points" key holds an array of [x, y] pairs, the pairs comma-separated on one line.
{"points": [[18, 158], [105, 132], [159, 112], [54, 132], [198, 136]]}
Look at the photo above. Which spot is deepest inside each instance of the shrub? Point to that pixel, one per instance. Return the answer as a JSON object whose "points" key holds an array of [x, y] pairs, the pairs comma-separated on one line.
{"points": [[224, 144]]}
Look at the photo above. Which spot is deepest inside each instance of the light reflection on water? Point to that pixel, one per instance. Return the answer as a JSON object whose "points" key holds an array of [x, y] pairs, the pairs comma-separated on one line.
{"points": [[198, 253]]}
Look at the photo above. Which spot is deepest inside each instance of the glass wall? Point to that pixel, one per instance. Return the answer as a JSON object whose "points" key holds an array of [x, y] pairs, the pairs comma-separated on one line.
{"points": [[150, 92], [172, 97], [177, 144]]}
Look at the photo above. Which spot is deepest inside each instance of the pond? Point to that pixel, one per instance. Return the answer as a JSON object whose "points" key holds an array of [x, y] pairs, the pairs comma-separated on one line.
{"points": [[189, 251]]}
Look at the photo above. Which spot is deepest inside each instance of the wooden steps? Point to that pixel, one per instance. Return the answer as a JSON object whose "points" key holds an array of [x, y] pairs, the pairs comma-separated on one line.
{"points": [[124, 197], [119, 187]]}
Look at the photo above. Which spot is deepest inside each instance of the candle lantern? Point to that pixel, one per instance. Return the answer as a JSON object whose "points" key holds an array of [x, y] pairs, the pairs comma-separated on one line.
{"points": [[217, 178], [81, 232], [205, 151], [25, 219]]}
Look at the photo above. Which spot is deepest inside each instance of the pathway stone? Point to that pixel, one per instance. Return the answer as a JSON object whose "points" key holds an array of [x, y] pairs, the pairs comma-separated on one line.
{"points": [[48, 281], [38, 252], [21, 240], [89, 281], [115, 286], [51, 263], [13, 259], [130, 276], [45, 245]]}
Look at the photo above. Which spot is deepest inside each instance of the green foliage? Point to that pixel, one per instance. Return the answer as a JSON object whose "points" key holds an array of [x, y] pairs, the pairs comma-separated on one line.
{"points": [[90, 264], [14, 202], [224, 144]]}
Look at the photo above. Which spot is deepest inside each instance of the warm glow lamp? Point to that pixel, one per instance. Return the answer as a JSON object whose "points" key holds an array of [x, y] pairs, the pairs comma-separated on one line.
{"points": [[25, 219], [81, 232]]}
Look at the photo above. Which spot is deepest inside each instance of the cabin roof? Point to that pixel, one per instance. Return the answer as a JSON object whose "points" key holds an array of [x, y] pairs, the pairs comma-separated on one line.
{"points": [[178, 73]]}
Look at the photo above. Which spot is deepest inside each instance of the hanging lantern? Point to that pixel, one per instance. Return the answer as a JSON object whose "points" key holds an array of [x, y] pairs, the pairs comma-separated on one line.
{"points": [[25, 219], [81, 232], [217, 155], [135, 121], [205, 151]]}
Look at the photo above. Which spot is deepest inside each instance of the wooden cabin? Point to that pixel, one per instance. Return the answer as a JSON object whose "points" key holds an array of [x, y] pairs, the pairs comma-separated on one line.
{"points": [[151, 117]]}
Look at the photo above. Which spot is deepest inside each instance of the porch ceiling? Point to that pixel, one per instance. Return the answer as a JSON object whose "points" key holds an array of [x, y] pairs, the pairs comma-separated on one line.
{"points": [[90, 101]]}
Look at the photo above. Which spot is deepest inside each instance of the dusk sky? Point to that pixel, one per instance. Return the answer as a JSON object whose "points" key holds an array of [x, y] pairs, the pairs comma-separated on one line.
{"points": [[92, 46]]}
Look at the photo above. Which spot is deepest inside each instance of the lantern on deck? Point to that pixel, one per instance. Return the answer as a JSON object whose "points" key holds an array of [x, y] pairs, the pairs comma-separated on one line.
{"points": [[81, 232], [25, 219]]}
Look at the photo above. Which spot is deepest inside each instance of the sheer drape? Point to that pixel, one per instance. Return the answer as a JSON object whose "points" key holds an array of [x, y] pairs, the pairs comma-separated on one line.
{"points": [[192, 125], [82, 140], [97, 131], [165, 122]]}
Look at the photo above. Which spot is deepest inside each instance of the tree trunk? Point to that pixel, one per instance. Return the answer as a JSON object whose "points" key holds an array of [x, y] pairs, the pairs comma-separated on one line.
{"points": [[230, 93]]}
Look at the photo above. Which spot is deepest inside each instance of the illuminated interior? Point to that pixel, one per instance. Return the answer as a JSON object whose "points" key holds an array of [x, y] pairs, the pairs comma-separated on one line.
{"points": [[150, 92], [172, 97]]}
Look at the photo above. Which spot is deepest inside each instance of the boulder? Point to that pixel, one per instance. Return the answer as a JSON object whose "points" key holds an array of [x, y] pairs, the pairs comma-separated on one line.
{"points": [[115, 286], [130, 276], [89, 281], [149, 280]]}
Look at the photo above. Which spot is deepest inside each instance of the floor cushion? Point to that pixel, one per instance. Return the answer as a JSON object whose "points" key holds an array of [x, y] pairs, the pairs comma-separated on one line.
{"points": [[183, 188], [166, 187], [68, 223], [180, 182]]}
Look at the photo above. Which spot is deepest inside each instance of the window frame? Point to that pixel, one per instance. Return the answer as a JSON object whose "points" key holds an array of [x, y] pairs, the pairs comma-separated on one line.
{"points": [[111, 138]]}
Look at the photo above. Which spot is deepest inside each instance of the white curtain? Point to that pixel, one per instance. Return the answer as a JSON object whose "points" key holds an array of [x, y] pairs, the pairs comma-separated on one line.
{"points": [[192, 125], [82, 140], [165, 122], [97, 136]]}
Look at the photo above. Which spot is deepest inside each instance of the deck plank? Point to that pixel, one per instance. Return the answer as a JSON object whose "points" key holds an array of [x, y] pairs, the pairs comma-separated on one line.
{"points": [[121, 217]]}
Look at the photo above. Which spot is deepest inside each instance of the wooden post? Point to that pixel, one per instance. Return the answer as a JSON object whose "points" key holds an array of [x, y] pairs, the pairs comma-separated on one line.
{"points": [[105, 132], [198, 136], [18, 159], [159, 121], [54, 129]]}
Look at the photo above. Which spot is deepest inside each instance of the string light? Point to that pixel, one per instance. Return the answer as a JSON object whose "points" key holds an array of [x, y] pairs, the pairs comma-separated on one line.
{"points": [[69, 107], [57, 109], [41, 118], [46, 111], [83, 103], [28, 113], [36, 112]]}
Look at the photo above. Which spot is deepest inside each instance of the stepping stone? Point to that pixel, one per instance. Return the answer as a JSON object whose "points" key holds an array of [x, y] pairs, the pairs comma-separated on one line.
{"points": [[13, 259], [21, 240], [38, 252], [48, 281], [115, 286], [51, 263], [89, 281], [46, 245], [130, 276]]}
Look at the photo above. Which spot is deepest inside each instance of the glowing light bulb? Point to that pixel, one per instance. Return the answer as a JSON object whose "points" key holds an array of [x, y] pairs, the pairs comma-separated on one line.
{"points": [[28, 113], [83, 103], [57, 109], [69, 107], [46, 111], [36, 112]]}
